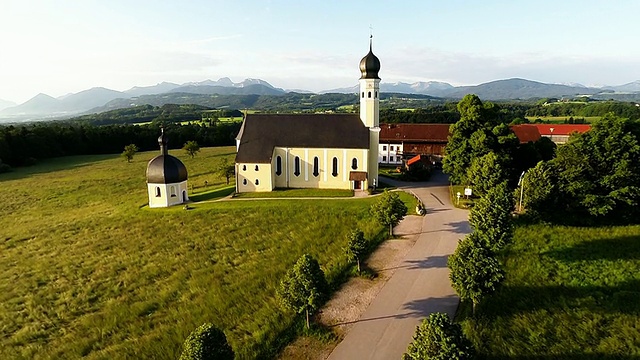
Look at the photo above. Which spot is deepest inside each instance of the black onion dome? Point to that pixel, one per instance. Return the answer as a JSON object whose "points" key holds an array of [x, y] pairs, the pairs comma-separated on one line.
{"points": [[166, 169], [370, 65]]}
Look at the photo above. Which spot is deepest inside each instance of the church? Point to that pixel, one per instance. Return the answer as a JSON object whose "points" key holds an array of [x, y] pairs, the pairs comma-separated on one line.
{"points": [[325, 151]]}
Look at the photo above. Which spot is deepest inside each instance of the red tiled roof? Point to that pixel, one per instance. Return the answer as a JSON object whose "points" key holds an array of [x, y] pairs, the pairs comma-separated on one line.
{"points": [[526, 133], [415, 132], [561, 129], [414, 160]]}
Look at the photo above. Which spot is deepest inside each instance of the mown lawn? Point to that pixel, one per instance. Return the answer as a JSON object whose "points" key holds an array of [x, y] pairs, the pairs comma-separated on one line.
{"points": [[87, 270], [285, 193], [570, 293]]}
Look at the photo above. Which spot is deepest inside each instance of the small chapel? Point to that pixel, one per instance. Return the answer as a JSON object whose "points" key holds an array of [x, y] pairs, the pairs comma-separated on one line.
{"points": [[166, 178], [326, 151]]}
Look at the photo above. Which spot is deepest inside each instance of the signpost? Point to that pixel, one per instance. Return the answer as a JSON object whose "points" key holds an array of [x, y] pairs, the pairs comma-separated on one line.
{"points": [[458, 195]]}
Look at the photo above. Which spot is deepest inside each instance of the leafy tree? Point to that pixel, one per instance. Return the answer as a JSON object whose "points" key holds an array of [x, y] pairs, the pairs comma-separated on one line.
{"points": [[539, 193], [207, 342], [485, 173], [129, 151], [491, 217], [357, 246], [475, 272], [226, 169], [437, 338], [304, 287], [389, 210], [191, 147]]}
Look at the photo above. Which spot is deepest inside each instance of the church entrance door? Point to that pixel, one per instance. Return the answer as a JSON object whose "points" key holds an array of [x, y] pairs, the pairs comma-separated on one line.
{"points": [[357, 185]]}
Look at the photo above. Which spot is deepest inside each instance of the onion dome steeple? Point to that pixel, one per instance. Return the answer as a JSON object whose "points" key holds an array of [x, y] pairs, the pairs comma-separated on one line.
{"points": [[164, 168], [370, 64]]}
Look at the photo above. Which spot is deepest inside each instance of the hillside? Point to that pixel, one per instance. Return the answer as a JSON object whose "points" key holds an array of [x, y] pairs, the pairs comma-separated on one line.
{"points": [[520, 89]]}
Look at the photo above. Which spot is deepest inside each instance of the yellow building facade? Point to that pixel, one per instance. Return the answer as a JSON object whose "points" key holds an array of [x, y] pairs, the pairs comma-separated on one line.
{"points": [[324, 151]]}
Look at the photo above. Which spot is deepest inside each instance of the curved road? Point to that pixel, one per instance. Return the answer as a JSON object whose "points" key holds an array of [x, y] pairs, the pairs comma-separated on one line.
{"points": [[419, 286]]}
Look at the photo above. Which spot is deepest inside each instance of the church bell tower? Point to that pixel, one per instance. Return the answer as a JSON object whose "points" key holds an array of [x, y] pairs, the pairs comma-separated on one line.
{"points": [[370, 107]]}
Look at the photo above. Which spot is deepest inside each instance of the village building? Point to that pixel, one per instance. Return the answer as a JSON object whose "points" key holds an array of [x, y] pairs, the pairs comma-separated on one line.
{"points": [[337, 151], [166, 178], [560, 133], [404, 141]]}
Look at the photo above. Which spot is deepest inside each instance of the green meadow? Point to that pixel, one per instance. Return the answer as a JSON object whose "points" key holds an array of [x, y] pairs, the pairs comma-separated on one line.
{"points": [[569, 293], [87, 270]]}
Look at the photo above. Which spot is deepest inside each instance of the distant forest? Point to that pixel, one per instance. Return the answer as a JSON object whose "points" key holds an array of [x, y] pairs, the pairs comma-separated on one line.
{"points": [[108, 132]]}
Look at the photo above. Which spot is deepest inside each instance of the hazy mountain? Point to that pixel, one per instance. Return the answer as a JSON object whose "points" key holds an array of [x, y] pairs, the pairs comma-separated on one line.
{"points": [[43, 104], [433, 88], [630, 87], [519, 89], [5, 104], [247, 89], [160, 88]]}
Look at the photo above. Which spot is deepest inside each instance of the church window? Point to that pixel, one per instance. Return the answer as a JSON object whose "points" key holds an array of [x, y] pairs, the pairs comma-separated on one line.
{"points": [[296, 166], [173, 191], [158, 194], [376, 94], [384, 148], [369, 95], [363, 94], [244, 167], [334, 171], [257, 182], [316, 166], [354, 164], [244, 181], [256, 167], [384, 158], [278, 165]]}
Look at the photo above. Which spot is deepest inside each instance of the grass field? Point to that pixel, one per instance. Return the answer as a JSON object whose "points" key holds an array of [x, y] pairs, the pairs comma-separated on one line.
{"points": [[570, 293], [561, 119], [87, 270], [289, 193]]}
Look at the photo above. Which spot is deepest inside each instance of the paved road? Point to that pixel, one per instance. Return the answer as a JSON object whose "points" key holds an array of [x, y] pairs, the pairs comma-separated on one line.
{"points": [[419, 287]]}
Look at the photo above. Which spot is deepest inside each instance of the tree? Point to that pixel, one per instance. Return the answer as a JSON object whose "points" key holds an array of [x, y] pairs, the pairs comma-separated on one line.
{"points": [[437, 338], [304, 287], [485, 173], [475, 272], [389, 210], [539, 191], [356, 247], [191, 147], [207, 342], [491, 217], [129, 151], [226, 170]]}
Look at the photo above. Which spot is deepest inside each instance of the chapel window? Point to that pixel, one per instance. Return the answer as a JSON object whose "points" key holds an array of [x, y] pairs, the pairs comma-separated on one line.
{"points": [[334, 171], [278, 165], [173, 191], [244, 167], [316, 166], [244, 181], [158, 194], [256, 167], [369, 95], [257, 182], [296, 166], [354, 164]]}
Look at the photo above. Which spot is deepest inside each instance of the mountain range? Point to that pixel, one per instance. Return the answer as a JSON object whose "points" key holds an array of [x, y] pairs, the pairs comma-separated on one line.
{"points": [[99, 97]]}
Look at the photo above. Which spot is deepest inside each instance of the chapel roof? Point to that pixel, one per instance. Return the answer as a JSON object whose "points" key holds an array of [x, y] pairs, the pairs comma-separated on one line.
{"points": [[370, 64], [164, 168], [261, 133]]}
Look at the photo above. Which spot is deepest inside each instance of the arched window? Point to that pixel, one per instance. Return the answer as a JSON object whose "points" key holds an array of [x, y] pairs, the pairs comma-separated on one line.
{"points": [[257, 182], [256, 167], [316, 166], [354, 164], [363, 94], [158, 193], [244, 167], [278, 165], [369, 95], [173, 191], [296, 166], [334, 171], [244, 181], [376, 94]]}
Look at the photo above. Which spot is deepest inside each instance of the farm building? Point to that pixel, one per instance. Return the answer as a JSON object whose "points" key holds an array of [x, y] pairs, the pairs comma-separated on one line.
{"points": [[403, 141], [338, 151]]}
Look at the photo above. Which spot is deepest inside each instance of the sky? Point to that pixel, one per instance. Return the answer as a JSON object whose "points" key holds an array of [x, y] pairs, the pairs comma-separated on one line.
{"points": [[66, 46]]}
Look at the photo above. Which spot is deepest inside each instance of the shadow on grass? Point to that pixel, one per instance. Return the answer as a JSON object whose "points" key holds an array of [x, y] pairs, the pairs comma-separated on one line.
{"points": [[563, 357], [54, 164], [515, 300], [212, 194], [619, 248]]}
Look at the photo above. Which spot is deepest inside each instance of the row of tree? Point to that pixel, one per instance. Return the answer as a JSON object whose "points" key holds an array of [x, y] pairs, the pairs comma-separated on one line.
{"points": [[627, 110], [24, 145]]}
